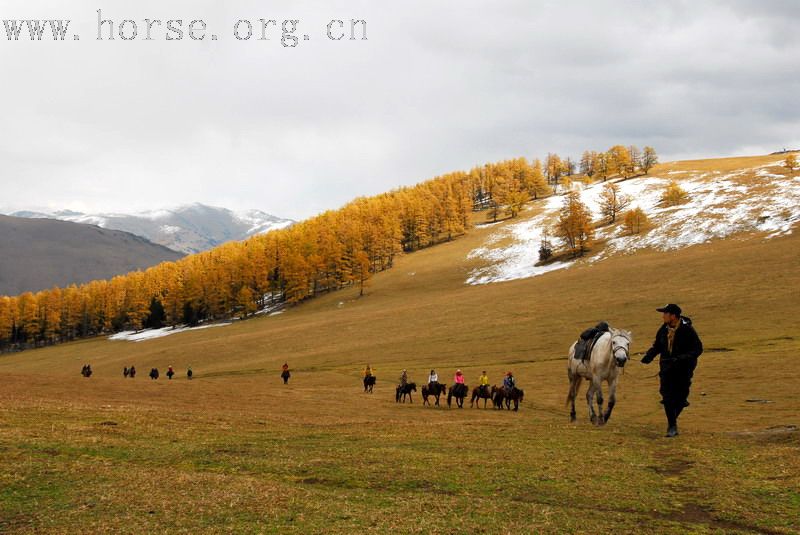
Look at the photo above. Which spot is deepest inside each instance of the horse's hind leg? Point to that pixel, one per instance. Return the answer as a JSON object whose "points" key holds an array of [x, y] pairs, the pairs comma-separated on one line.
{"points": [[575, 385], [590, 402]]}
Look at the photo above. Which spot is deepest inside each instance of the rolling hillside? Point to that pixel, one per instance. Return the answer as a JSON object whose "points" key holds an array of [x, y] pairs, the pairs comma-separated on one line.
{"points": [[245, 454], [41, 253]]}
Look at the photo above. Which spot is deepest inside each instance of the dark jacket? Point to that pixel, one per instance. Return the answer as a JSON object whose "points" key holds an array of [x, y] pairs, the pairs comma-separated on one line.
{"points": [[686, 346]]}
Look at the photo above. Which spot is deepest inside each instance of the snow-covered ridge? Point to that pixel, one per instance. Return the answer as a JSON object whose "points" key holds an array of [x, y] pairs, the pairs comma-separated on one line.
{"points": [[761, 199], [189, 228]]}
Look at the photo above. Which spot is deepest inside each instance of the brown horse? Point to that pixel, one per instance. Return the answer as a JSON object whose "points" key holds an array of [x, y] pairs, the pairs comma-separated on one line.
{"points": [[498, 397], [503, 397], [402, 391], [437, 391], [458, 391], [516, 395], [480, 393], [369, 383]]}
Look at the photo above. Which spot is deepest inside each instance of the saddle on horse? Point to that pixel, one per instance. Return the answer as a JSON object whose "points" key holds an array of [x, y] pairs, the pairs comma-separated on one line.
{"points": [[587, 339]]}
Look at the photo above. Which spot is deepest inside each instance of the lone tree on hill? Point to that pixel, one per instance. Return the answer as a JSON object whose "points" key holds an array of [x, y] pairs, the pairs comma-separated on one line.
{"points": [[619, 161], [649, 159], [575, 224], [673, 194], [612, 202], [635, 220], [545, 248], [790, 162]]}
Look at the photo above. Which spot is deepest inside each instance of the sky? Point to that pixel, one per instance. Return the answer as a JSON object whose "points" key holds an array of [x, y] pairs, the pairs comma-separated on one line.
{"points": [[132, 125]]}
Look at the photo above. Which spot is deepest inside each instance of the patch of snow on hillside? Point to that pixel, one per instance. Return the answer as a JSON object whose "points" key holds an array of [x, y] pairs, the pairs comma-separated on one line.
{"points": [[100, 221], [149, 334], [718, 206], [155, 215], [517, 260]]}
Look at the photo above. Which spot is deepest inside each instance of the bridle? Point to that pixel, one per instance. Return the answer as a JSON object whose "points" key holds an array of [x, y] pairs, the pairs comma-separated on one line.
{"points": [[615, 348]]}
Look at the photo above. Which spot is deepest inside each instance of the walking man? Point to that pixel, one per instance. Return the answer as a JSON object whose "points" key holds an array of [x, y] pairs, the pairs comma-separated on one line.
{"points": [[678, 346]]}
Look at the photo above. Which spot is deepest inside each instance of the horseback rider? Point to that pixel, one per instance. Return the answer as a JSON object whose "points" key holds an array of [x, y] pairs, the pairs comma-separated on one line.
{"points": [[170, 372], [285, 373], [433, 380], [125, 372], [132, 372], [679, 346], [189, 372], [509, 383], [459, 387], [403, 378], [368, 371], [483, 383]]}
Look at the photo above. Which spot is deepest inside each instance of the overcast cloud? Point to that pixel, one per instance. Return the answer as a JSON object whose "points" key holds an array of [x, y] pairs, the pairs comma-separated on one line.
{"points": [[438, 86]]}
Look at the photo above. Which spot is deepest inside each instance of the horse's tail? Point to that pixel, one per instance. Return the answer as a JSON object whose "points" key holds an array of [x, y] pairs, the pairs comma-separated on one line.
{"points": [[573, 390]]}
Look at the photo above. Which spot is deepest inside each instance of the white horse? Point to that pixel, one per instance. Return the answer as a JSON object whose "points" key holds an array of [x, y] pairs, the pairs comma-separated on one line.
{"points": [[609, 355]]}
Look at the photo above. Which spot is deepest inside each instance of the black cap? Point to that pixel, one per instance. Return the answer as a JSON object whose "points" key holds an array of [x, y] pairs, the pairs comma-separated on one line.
{"points": [[672, 308]]}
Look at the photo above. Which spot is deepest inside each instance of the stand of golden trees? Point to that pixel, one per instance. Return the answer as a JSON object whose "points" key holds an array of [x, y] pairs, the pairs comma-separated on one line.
{"points": [[333, 250]]}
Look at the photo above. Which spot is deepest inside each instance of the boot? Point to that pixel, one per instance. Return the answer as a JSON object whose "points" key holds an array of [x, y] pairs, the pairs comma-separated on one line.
{"points": [[672, 421]]}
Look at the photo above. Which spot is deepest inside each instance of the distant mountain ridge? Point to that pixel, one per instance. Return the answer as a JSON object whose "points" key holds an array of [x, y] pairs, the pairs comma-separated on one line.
{"points": [[36, 254], [188, 229]]}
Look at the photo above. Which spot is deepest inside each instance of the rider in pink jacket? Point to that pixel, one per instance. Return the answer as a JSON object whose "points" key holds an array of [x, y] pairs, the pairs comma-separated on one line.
{"points": [[459, 378]]}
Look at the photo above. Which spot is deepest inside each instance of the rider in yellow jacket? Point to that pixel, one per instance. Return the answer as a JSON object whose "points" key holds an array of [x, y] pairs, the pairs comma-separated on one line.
{"points": [[483, 382]]}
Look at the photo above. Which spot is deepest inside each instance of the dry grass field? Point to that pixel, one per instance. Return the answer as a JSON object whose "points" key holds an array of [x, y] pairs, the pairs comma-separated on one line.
{"points": [[236, 451]]}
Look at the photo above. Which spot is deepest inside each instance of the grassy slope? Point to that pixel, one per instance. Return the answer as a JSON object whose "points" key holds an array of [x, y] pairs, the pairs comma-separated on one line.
{"points": [[236, 451]]}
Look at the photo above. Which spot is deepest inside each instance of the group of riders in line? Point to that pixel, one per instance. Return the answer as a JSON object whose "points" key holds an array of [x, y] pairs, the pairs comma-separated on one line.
{"points": [[507, 392], [127, 372]]}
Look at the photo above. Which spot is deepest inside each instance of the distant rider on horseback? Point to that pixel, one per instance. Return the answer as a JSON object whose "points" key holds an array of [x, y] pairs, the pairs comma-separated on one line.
{"points": [[459, 378], [509, 383], [483, 383], [433, 380], [403, 379]]}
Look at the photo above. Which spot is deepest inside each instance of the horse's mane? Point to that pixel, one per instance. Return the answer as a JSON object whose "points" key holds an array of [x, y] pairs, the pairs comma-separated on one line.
{"points": [[621, 332]]}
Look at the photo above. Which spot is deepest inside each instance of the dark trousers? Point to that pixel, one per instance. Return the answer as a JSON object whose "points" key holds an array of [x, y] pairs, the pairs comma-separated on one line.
{"points": [[676, 380]]}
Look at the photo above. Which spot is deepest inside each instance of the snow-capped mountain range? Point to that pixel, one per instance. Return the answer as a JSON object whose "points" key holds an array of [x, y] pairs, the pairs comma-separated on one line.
{"points": [[187, 229]]}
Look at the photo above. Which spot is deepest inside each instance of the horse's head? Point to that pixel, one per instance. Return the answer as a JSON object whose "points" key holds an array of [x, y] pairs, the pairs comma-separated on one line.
{"points": [[412, 387], [620, 346]]}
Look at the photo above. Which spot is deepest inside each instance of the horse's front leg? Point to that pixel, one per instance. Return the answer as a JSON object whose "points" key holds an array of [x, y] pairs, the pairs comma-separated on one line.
{"points": [[612, 397], [599, 388]]}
